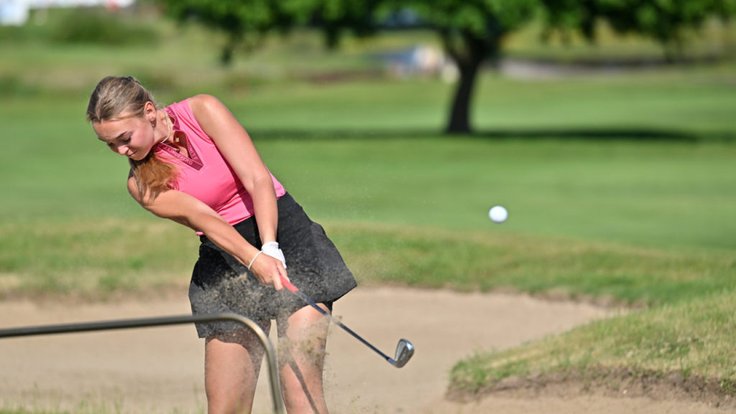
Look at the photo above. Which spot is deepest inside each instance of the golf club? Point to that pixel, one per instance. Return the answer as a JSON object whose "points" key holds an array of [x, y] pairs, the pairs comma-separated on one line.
{"points": [[404, 349]]}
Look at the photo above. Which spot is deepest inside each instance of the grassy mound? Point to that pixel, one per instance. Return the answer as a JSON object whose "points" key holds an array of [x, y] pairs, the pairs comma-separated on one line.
{"points": [[684, 349]]}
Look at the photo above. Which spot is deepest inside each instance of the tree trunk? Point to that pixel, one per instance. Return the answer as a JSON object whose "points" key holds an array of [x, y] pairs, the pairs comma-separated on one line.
{"points": [[226, 55], [468, 51], [234, 39], [459, 121]]}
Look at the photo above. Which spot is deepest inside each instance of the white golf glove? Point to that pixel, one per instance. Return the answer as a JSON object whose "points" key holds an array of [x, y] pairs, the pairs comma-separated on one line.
{"points": [[272, 249]]}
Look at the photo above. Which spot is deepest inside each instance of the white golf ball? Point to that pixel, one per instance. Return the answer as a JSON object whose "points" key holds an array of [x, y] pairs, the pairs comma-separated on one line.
{"points": [[498, 214]]}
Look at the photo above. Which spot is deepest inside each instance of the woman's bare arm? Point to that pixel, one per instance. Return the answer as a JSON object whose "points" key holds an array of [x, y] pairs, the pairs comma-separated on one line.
{"points": [[193, 213], [236, 146]]}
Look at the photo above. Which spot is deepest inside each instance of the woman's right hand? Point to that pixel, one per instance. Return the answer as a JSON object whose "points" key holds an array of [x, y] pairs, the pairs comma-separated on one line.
{"points": [[269, 270]]}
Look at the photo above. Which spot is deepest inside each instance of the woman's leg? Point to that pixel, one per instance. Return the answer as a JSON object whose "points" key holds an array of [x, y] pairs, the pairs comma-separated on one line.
{"points": [[231, 371], [302, 340]]}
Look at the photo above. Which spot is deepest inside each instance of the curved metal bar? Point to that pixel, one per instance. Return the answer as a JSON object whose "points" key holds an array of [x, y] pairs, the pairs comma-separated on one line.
{"points": [[278, 401]]}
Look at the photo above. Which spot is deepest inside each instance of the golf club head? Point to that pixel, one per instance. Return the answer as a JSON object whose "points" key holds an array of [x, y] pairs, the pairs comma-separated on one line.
{"points": [[404, 352]]}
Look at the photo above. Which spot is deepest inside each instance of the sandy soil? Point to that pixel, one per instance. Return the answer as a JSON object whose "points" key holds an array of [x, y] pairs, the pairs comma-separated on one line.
{"points": [[160, 369]]}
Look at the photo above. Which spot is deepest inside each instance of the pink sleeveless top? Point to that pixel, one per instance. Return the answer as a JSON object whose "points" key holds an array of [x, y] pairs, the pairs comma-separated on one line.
{"points": [[205, 174]]}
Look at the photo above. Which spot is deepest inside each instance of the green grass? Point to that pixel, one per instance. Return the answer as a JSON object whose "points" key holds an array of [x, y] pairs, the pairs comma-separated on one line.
{"points": [[620, 188], [535, 264], [94, 258], [97, 258], [621, 197], [654, 193], [684, 338]]}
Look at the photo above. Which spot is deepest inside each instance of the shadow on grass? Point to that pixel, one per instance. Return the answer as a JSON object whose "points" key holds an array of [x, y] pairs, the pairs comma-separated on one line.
{"points": [[576, 134]]}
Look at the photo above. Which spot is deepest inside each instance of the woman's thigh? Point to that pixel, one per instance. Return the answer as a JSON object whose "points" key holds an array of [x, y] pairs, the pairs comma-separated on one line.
{"points": [[302, 342], [232, 365]]}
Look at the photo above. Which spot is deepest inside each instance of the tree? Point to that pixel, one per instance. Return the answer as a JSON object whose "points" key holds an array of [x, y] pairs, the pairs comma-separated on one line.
{"points": [[472, 33], [244, 22], [335, 17], [665, 21]]}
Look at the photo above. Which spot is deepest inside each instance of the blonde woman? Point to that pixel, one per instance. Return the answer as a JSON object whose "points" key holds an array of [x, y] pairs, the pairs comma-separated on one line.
{"points": [[193, 163]]}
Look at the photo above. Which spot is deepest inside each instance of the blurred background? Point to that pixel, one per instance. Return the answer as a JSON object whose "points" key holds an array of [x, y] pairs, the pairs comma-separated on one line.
{"points": [[396, 123], [605, 127]]}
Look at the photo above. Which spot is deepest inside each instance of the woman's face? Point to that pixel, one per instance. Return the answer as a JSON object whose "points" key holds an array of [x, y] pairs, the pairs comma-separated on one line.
{"points": [[132, 136]]}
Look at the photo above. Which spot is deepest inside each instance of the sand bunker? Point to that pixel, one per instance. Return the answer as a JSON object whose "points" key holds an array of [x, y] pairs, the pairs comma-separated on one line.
{"points": [[160, 369]]}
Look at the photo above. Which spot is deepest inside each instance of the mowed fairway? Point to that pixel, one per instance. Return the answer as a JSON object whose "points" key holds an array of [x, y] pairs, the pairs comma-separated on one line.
{"points": [[621, 190]]}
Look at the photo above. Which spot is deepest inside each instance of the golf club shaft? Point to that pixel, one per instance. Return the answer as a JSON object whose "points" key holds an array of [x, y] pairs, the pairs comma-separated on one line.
{"points": [[293, 289]]}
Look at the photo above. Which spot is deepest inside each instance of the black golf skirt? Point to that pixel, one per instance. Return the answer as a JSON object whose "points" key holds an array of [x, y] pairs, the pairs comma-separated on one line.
{"points": [[220, 283]]}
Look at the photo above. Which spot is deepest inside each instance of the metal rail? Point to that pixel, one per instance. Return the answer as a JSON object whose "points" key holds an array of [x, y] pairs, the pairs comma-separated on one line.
{"points": [[278, 401]]}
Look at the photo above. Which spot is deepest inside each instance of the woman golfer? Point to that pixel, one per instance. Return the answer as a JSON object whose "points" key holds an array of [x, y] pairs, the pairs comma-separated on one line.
{"points": [[193, 163]]}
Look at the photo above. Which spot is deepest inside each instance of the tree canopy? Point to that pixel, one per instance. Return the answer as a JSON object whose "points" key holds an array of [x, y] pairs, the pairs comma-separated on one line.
{"points": [[244, 22], [471, 31], [665, 21]]}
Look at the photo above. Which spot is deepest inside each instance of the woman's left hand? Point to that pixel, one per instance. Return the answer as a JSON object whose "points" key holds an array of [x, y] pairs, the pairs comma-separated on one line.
{"points": [[272, 249]]}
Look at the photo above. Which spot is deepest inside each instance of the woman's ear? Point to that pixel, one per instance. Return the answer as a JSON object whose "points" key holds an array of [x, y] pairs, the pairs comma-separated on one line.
{"points": [[149, 111]]}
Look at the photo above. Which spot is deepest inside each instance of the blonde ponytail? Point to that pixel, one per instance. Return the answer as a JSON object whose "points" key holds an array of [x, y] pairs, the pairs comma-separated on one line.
{"points": [[152, 175], [114, 96]]}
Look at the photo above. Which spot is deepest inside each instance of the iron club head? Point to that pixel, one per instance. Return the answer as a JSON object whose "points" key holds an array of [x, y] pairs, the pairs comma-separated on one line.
{"points": [[404, 352], [404, 349]]}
